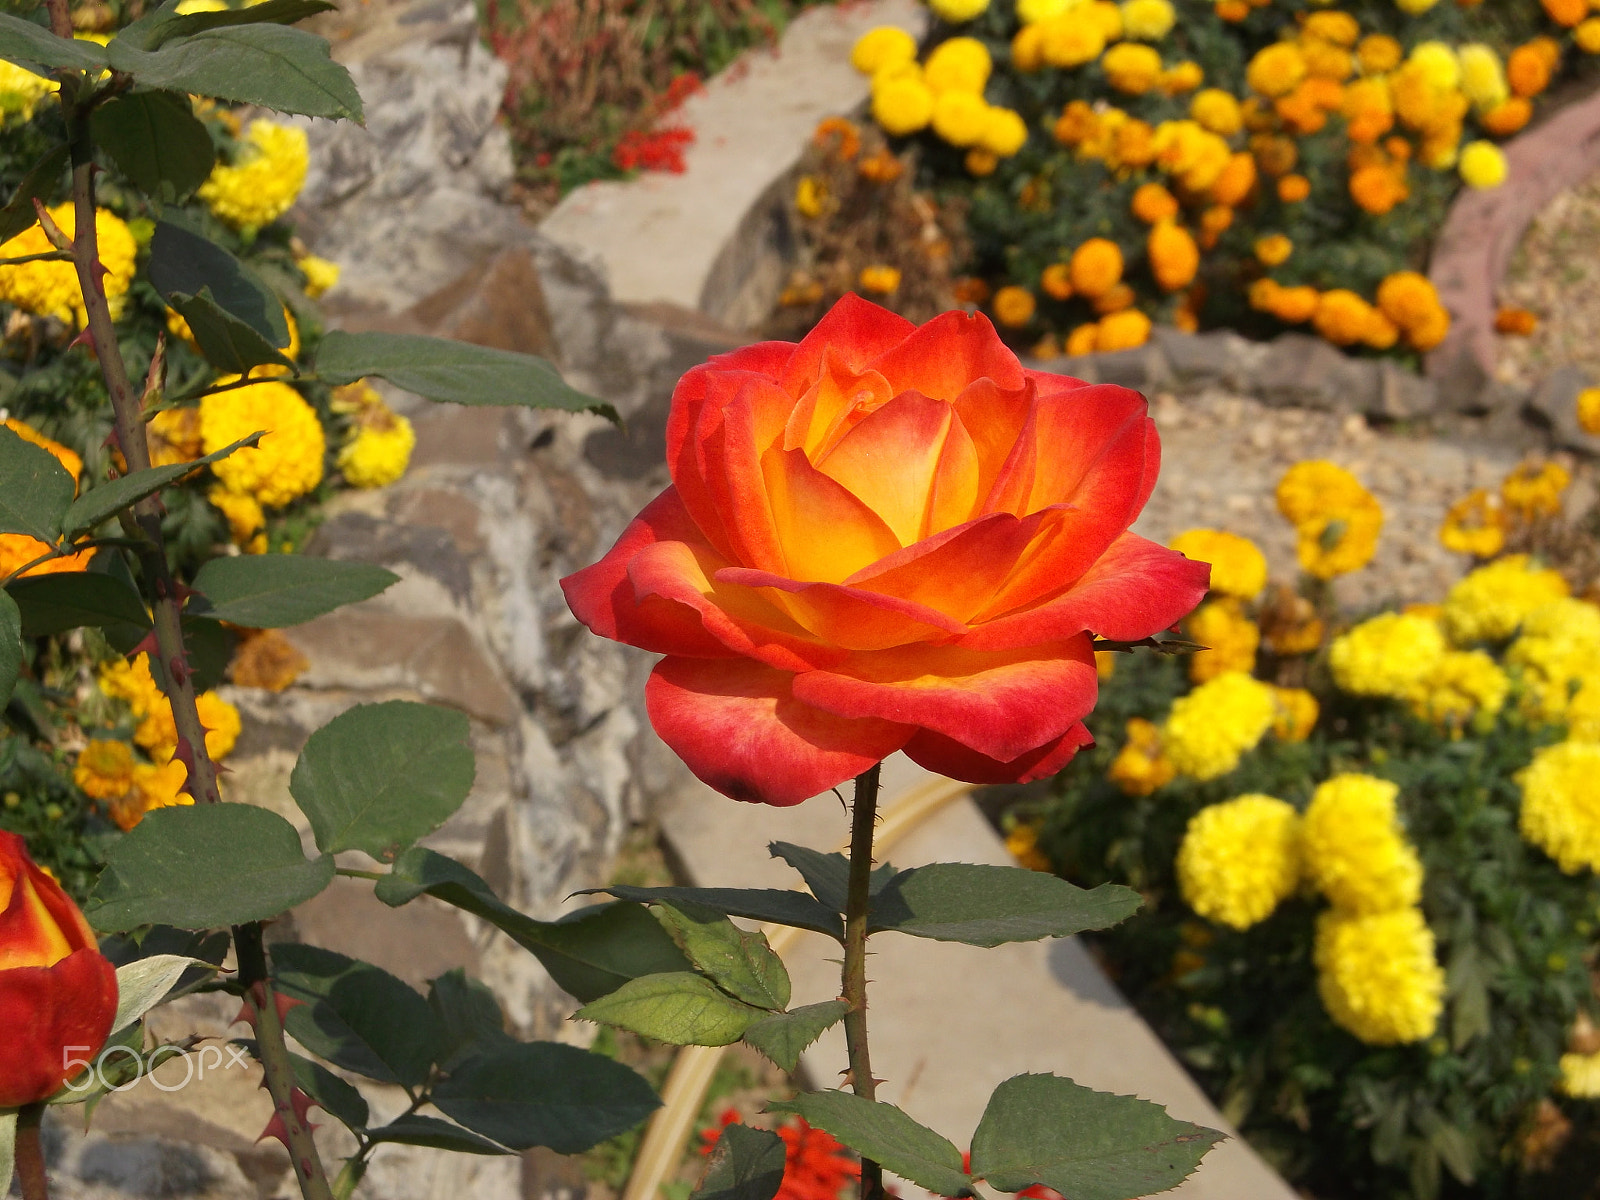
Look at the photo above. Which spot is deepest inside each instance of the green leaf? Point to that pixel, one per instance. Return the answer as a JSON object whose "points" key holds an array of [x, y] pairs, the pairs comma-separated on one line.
{"points": [[784, 1037], [544, 1094], [1086, 1144], [333, 1095], [209, 647], [35, 489], [33, 46], [740, 961], [886, 1135], [1451, 1143], [156, 141], [10, 646], [155, 29], [455, 372], [467, 1011], [758, 904], [588, 953], [270, 591], [415, 1129], [144, 983], [277, 67], [40, 183], [987, 906], [747, 1164], [379, 776], [93, 507], [53, 603], [186, 263], [678, 1007], [205, 866], [827, 875], [227, 343], [357, 1016]]}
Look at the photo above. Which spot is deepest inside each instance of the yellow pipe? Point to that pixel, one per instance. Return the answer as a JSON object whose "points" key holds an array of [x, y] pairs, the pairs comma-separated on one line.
{"points": [[673, 1124]]}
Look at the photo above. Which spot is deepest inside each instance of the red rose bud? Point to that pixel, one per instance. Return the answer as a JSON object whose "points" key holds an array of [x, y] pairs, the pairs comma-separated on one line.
{"points": [[58, 993]]}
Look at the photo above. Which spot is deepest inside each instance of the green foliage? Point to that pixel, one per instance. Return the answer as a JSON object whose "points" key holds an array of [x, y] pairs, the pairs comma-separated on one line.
{"points": [[35, 490], [273, 591], [10, 646], [989, 906], [157, 142], [784, 1036], [676, 1007], [747, 1164], [886, 1135], [737, 960]]}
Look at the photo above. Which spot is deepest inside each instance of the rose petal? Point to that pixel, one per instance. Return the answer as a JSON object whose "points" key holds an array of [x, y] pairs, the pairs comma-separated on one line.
{"points": [[752, 424], [943, 357], [1083, 446], [739, 728], [830, 407], [52, 1015], [994, 418], [889, 458], [826, 534], [1001, 705], [848, 617], [604, 599], [1136, 588], [857, 330], [946, 757]]}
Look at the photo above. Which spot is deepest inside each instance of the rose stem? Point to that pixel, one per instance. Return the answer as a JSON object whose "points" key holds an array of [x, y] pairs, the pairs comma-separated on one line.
{"points": [[863, 818], [30, 1154], [303, 1157]]}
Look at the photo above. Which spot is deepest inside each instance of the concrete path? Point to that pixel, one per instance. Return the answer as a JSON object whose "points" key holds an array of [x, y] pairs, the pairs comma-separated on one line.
{"points": [[950, 1022]]}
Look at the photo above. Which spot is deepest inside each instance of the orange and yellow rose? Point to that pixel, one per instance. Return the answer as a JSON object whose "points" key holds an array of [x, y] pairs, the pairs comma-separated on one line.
{"points": [[886, 537]]}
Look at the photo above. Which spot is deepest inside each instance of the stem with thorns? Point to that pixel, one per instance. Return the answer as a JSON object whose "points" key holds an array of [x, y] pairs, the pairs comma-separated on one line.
{"points": [[31, 1175], [857, 901]]}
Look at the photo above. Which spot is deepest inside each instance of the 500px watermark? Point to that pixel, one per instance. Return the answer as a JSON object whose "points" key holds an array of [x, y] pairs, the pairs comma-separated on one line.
{"points": [[120, 1067]]}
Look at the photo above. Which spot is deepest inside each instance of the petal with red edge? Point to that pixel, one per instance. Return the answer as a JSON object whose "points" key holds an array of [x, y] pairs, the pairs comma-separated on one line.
{"points": [[751, 425], [832, 405], [740, 620], [943, 357], [849, 617], [826, 533], [858, 330], [889, 458], [1091, 447], [1001, 705], [943, 756], [739, 728], [604, 599], [994, 418], [1136, 588]]}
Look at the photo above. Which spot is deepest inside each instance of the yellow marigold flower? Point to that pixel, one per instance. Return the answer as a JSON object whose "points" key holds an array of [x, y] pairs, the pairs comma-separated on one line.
{"points": [[1387, 655], [959, 64], [50, 289], [1240, 859], [1414, 8], [1013, 306], [1533, 490], [1324, 60], [1105, 664], [158, 732], [1588, 406], [1022, 843], [1338, 543], [1340, 28], [1583, 710], [174, 436], [1276, 70], [1316, 487], [1482, 165], [1181, 77], [1005, 133], [1355, 851], [1231, 639], [1587, 35], [1368, 109], [1273, 249], [1084, 339], [104, 770], [1152, 203], [1210, 730], [1378, 976], [1238, 568], [1140, 767], [1460, 686], [957, 11], [1557, 648], [1296, 716], [1106, 15], [902, 105], [1096, 267], [810, 196], [264, 181], [1218, 111], [1069, 41], [21, 91], [287, 463], [1031, 12], [1437, 63], [1131, 67], [1483, 79], [1123, 330], [1561, 804], [1174, 256], [242, 512], [1147, 20], [266, 659], [153, 787], [960, 117], [380, 444], [1027, 49], [1489, 604], [1378, 53], [1475, 524], [1580, 1073], [321, 274], [884, 46], [131, 682]]}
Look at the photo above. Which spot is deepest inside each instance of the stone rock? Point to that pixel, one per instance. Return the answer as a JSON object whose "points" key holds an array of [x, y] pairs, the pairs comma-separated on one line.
{"points": [[1307, 372], [1142, 368], [1404, 395], [1194, 357], [1555, 403]]}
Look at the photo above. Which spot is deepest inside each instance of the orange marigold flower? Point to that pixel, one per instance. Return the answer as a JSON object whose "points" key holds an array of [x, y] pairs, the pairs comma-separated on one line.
{"points": [[1055, 281], [1516, 321], [1085, 339], [879, 278], [1293, 188], [1274, 155], [880, 167], [838, 135], [1296, 305], [1076, 124], [1013, 306], [1273, 249], [1152, 203], [1377, 189], [1115, 300], [1380, 332], [1507, 117], [1528, 69], [266, 659], [1342, 316], [1588, 406], [969, 289], [1408, 298], [1174, 256], [1566, 13], [1238, 177], [1096, 267], [1232, 10], [1378, 53], [1431, 331], [1123, 330], [980, 162]]}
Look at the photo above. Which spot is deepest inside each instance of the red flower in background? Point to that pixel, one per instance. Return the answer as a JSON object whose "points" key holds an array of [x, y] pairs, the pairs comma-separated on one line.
{"points": [[886, 537], [815, 1166]]}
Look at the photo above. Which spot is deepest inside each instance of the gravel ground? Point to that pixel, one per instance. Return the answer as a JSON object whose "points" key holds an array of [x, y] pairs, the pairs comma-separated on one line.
{"points": [[1555, 274], [1222, 456]]}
